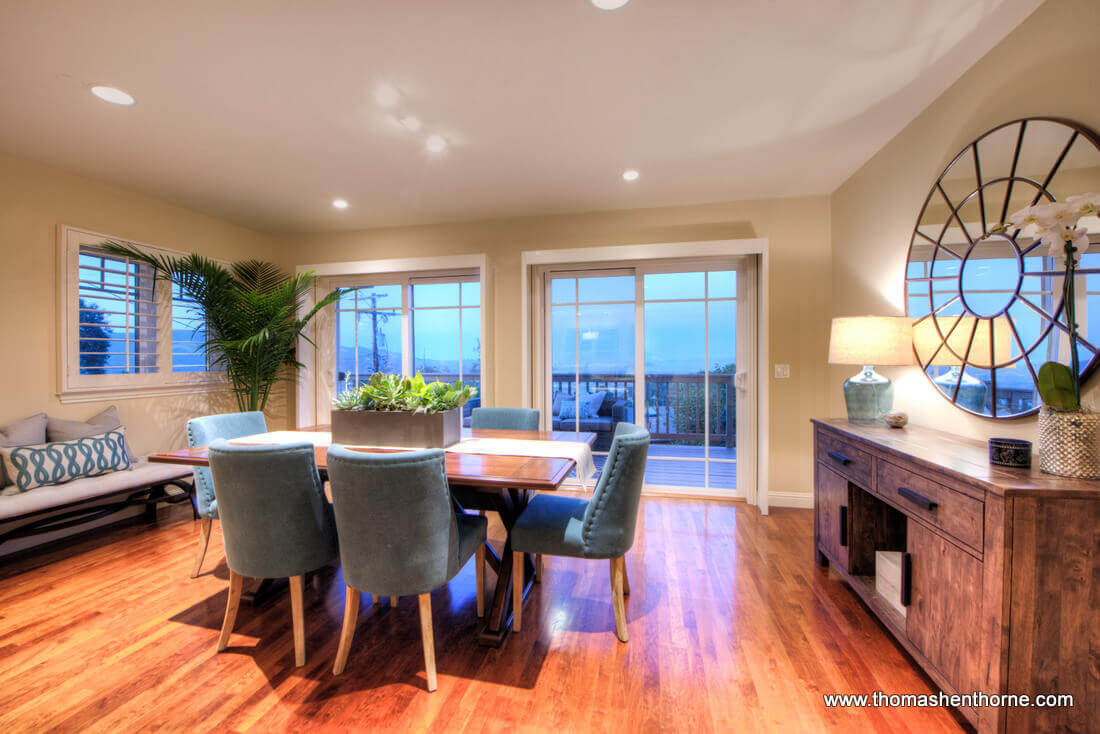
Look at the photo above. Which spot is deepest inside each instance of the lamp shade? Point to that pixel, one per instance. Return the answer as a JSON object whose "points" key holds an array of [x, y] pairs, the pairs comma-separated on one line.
{"points": [[871, 340], [927, 340]]}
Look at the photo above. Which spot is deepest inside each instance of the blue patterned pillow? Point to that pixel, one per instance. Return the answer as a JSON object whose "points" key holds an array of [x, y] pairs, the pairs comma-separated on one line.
{"points": [[55, 463], [569, 409]]}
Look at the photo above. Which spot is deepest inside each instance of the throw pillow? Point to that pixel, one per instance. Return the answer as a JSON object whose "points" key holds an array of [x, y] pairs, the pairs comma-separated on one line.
{"points": [[58, 430], [569, 408], [56, 463], [595, 402], [27, 432]]}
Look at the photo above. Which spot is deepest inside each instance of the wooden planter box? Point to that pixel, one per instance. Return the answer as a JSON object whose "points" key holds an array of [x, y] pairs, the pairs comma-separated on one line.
{"points": [[392, 428]]}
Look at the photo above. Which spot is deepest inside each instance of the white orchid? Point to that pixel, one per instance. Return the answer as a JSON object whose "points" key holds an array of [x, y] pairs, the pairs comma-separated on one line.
{"points": [[1086, 205]]}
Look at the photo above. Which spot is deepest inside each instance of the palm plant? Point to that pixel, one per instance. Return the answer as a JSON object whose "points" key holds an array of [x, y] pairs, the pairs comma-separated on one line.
{"points": [[251, 310]]}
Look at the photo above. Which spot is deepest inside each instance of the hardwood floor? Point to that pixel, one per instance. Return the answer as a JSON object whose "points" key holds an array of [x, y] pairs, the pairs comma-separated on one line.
{"points": [[732, 628]]}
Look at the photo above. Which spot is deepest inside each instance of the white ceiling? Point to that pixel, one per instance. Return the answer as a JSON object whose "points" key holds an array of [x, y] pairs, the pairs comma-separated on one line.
{"points": [[263, 111]]}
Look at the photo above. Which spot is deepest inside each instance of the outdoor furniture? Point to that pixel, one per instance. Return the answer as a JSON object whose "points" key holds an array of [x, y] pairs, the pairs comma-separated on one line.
{"points": [[399, 535], [276, 522], [203, 432], [602, 527]]}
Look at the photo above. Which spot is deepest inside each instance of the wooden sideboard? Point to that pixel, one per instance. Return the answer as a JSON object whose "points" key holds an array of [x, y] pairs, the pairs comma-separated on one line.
{"points": [[1000, 567]]}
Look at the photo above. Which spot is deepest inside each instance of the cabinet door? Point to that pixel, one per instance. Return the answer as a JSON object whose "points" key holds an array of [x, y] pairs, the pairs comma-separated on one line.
{"points": [[945, 606], [831, 514]]}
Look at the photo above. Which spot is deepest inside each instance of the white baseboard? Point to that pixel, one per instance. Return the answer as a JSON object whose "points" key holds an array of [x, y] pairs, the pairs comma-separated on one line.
{"points": [[801, 500]]}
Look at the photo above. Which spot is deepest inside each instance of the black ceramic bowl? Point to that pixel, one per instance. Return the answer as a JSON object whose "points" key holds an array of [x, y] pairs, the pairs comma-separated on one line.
{"points": [[1010, 452]]}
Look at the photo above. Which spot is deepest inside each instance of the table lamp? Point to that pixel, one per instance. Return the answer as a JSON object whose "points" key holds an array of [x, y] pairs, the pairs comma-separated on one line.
{"points": [[979, 353], [869, 341]]}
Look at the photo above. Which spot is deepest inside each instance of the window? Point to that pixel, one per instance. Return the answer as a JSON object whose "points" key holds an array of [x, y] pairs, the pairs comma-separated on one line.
{"points": [[405, 323], [122, 333]]}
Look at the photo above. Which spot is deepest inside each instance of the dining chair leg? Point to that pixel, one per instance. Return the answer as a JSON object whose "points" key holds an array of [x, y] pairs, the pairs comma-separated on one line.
{"points": [[351, 616], [205, 525], [296, 617], [617, 567], [626, 579], [479, 579], [538, 568], [517, 590], [427, 636], [394, 600], [236, 582]]}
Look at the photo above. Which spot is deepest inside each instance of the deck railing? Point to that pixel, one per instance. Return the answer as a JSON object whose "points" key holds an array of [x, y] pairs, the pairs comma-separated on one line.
{"points": [[674, 405]]}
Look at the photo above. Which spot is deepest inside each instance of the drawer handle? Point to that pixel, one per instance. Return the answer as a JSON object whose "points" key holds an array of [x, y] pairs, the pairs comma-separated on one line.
{"points": [[917, 499], [906, 579], [844, 526], [837, 456]]}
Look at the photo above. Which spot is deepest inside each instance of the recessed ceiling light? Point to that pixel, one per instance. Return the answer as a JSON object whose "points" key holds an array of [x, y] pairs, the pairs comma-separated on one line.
{"points": [[386, 96], [411, 122], [340, 203], [630, 175], [112, 95], [609, 4], [436, 144]]}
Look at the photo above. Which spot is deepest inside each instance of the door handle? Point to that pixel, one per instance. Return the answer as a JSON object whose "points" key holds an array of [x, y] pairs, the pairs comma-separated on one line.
{"points": [[906, 579], [741, 381], [837, 456], [844, 526], [917, 499]]}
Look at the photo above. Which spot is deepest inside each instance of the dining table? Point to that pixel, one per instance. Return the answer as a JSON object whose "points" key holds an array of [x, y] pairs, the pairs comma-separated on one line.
{"points": [[501, 482]]}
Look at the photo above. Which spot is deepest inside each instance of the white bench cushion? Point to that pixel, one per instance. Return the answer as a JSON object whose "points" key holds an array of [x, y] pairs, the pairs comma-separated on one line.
{"points": [[141, 474]]}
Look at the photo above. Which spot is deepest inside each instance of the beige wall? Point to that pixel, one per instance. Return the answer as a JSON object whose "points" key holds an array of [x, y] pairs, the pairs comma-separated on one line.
{"points": [[1046, 67], [798, 236], [34, 201]]}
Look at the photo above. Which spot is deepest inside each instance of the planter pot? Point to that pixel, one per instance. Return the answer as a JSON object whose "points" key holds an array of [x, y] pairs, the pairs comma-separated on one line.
{"points": [[406, 430], [1069, 443]]}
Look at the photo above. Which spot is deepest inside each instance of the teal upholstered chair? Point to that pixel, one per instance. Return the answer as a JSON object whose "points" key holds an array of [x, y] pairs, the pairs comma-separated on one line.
{"points": [[276, 522], [602, 527], [399, 535], [512, 419], [203, 432]]}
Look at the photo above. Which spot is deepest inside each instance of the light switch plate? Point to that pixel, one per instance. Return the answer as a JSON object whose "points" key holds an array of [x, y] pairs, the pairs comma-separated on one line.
{"points": [[782, 371]]}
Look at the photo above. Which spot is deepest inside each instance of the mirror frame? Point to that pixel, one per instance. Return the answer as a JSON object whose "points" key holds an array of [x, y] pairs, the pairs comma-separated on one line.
{"points": [[920, 239]]}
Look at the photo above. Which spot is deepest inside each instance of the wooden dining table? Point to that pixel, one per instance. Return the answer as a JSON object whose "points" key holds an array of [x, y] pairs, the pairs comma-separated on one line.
{"points": [[486, 482]]}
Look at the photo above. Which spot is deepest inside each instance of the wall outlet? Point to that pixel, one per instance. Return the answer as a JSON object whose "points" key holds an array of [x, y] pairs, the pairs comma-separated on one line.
{"points": [[782, 371]]}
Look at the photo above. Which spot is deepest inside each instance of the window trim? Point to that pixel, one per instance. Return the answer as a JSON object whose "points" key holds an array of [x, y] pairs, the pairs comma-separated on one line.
{"points": [[73, 387]]}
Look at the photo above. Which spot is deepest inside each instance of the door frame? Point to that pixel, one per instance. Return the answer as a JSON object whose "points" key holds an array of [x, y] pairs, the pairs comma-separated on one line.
{"points": [[756, 401]]}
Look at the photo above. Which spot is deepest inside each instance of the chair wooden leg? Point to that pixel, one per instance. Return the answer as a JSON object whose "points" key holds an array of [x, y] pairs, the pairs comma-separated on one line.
{"points": [[479, 579], [617, 567], [517, 590], [427, 636], [351, 616], [538, 568], [394, 600], [296, 617], [236, 582], [626, 579], [205, 525]]}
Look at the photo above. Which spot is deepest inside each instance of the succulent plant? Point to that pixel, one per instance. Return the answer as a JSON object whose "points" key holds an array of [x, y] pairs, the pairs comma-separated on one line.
{"points": [[405, 394]]}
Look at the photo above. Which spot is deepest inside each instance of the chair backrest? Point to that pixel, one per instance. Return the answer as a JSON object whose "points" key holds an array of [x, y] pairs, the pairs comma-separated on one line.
{"points": [[513, 419], [612, 513], [394, 518], [275, 519], [203, 432]]}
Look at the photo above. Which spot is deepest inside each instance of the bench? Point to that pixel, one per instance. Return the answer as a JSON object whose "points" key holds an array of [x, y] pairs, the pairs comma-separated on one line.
{"points": [[83, 501]]}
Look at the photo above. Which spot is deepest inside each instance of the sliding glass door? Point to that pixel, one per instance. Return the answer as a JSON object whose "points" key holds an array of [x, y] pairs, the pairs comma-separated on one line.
{"points": [[656, 345]]}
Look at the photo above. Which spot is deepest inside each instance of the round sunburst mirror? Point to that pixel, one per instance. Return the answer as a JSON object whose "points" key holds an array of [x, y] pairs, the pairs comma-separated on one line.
{"points": [[987, 306]]}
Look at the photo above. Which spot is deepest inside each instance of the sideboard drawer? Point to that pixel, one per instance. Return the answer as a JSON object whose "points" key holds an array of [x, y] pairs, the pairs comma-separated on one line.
{"points": [[957, 514], [845, 459]]}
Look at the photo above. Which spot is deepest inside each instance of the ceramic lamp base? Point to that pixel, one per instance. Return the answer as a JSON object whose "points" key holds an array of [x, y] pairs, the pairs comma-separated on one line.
{"points": [[868, 396]]}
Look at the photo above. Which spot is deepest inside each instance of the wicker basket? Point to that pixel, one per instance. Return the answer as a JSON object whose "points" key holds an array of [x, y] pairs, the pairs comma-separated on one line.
{"points": [[1069, 443]]}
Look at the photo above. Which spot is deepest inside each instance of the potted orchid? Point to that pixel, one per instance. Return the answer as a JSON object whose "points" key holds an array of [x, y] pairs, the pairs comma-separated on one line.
{"points": [[1069, 437]]}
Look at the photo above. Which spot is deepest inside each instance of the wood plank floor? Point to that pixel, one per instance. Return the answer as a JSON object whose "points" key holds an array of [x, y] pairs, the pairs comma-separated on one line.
{"points": [[732, 628]]}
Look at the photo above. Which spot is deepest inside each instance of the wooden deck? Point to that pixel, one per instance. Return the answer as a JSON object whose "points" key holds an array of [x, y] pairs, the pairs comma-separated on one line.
{"points": [[668, 467], [732, 628]]}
